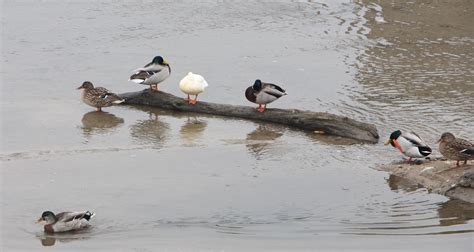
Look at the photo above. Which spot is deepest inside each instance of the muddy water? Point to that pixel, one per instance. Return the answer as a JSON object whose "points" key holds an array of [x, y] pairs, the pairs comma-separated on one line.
{"points": [[177, 181]]}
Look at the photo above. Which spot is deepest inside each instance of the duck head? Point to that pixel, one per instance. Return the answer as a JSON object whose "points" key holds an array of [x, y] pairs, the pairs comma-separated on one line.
{"points": [[159, 60], [257, 85], [86, 85], [393, 140], [46, 218], [446, 137]]}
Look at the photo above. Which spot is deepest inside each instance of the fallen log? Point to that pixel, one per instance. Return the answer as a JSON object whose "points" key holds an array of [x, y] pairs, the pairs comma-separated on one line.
{"points": [[438, 176], [319, 122]]}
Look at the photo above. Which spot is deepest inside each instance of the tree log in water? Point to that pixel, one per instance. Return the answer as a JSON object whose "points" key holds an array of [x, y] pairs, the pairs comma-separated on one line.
{"points": [[318, 122]]}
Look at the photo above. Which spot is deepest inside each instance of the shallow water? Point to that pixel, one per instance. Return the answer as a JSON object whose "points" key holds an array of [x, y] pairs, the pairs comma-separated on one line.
{"points": [[179, 181]]}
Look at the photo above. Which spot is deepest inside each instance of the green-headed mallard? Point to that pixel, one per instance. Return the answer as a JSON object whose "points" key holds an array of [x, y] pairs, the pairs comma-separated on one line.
{"points": [[263, 93], [192, 84], [409, 144], [152, 73], [456, 148], [98, 97], [66, 221]]}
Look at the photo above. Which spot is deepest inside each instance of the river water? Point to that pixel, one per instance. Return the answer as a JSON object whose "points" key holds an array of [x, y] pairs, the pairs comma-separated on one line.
{"points": [[165, 181]]}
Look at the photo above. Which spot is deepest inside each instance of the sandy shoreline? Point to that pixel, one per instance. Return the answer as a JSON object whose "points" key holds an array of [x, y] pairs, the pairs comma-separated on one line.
{"points": [[438, 176]]}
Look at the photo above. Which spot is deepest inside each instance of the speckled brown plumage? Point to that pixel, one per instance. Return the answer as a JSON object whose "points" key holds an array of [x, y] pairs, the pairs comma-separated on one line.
{"points": [[454, 148], [98, 97]]}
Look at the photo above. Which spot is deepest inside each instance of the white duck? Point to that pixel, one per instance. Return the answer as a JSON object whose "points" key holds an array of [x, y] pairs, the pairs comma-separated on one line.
{"points": [[192, 84]]}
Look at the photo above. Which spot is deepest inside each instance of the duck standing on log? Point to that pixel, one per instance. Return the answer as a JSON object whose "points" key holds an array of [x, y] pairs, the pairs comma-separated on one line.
{"points": [[98, 97], [263, 93], [192, 84], [409, 144], [66, 221], [454, 148], [152, 73]]}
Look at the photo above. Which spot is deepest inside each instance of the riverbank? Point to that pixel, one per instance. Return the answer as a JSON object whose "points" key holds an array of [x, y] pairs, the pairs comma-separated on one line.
{"points": [[438, 176]]}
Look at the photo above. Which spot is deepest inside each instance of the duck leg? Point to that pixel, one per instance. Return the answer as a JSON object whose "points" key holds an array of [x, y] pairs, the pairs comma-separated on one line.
{"points": [[193, 101], [465, 162], [261, 108], [187, 99], [409, 160], [457, 163], [98, 109]]}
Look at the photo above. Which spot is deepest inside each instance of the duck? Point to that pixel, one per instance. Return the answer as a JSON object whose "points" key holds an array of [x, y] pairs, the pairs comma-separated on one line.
{"points": [[263, 93], [409, 144], [454, 148], [65, 221], [98, 97], [192, 84], [152, 73]]}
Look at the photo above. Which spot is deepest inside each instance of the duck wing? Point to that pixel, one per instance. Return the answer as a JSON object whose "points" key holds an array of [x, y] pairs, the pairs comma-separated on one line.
{"points": [[413, 138], [463, 146], [273, 90], [74, 216]]}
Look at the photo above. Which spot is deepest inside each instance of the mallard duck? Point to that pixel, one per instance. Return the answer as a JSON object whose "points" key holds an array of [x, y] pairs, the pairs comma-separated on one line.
{"points": [[456, 148], [263, 93], [98, 97], [66, 221], [192, 84], [409, 144], [152, 73]]}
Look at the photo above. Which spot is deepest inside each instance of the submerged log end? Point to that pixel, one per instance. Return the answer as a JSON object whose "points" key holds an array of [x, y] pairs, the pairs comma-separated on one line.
{"points": [[312, 121]]}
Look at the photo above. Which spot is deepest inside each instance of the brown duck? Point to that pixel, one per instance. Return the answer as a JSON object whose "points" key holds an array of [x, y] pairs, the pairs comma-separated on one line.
{"points": [[98, 97], [454, 148], [64, 222]]}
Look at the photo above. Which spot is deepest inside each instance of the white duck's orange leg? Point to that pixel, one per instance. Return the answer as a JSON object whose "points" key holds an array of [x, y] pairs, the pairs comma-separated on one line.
{"points": [[193, 101]]}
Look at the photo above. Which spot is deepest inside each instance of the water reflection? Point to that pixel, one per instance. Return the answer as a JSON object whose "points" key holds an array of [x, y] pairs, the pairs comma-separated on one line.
{"points": [[192, 130], [152, 131], [397, 183], [451, 212], [422, 77], [99, 123], [454, 212], [261, 139], [48, 240]]}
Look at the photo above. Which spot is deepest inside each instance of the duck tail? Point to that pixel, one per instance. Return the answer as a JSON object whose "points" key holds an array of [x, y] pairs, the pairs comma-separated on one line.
{"points": [[88, 215]]}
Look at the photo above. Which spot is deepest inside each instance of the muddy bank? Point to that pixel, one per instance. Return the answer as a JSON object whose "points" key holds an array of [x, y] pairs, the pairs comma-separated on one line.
{"points": [[318, 122], [438, 176]]}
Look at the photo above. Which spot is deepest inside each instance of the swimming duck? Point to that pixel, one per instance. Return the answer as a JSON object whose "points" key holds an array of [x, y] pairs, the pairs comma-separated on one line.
{"points": [[263, 93], [152, 73], [192, 84], [98, 97], [456, 148], [66, 221], [409, 144]]}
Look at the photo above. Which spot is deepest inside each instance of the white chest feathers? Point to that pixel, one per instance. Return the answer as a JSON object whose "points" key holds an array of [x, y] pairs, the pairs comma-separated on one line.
{"points": [[192, 84]]}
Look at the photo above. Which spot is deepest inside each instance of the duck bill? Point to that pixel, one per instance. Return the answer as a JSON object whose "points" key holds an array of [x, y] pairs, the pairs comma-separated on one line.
{"points": [[40, 221], [79, 88], [165, 62], [439, 140], [389, 141]]}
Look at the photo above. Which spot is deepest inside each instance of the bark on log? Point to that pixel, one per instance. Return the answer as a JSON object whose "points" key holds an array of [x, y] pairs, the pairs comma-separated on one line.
{"points": [[313, 121]]}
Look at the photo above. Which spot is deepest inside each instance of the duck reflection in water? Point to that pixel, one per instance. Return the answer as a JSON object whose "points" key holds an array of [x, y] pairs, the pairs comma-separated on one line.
{"points": [[260, 140], [48, 240], [192, 130], [96, 123], [152, 131]]}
